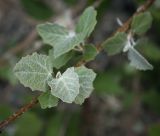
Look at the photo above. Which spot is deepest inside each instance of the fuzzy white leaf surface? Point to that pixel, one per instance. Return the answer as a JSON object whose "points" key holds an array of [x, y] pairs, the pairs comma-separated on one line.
{"points": [[65, 86], [33, 71], [86, 78]]}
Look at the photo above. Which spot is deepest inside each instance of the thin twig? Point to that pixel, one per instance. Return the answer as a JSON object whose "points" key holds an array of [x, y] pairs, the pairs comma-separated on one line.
{"points": [[17, 114], [126, 26], [27, 107], [141, 9]]}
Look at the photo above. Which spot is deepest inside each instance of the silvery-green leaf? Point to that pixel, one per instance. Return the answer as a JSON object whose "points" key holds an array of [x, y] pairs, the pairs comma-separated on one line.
{"points": [[61, 60], [86, 78], [65, 86], [115, 44], [59, 37], [87, 22], [90, 52], [47, 100], [138, 61], [51, 32], [141, 23], [33, 71]]}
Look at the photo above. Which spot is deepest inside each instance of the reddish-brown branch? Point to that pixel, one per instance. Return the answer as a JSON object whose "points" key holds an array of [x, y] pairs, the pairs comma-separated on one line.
{"points": [[141, 9], [126, 26], [27, 107], [17, 114]]}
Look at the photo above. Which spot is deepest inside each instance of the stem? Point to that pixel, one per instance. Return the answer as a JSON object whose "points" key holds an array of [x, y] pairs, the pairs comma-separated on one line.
{"points": [[34, 101], [17, 114], [125, 27], [141, 9]]}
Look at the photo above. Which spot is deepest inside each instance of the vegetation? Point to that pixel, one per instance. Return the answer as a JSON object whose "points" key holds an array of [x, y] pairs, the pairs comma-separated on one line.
{"points": [[63, 73]]}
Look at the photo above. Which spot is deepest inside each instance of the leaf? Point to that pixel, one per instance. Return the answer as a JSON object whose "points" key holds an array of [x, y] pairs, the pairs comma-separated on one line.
{"points": [[61, 60], [90, 52], [141, 23], [33, 71], [86, 78], [66, 86], [138, 61], [115, 44], [59, 37], [47, 100], [87, 22]]}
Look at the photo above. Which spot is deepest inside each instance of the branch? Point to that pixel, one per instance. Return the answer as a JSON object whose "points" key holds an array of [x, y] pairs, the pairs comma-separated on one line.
{"points": [[34, 101], [126, 26], [17, 114], [141, 9]]}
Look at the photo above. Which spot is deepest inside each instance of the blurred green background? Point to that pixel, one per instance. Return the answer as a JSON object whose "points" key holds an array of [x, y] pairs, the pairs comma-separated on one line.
{"points": [[125, 102]]}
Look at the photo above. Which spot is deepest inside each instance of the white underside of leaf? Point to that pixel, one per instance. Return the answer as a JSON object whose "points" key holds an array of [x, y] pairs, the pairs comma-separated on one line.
{"points": [[66, 87], [138, 61]]}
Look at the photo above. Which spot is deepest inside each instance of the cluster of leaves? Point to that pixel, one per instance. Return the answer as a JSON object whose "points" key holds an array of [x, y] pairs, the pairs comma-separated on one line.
{"points": [[75, 84], [125, 41], [36, 70]]}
